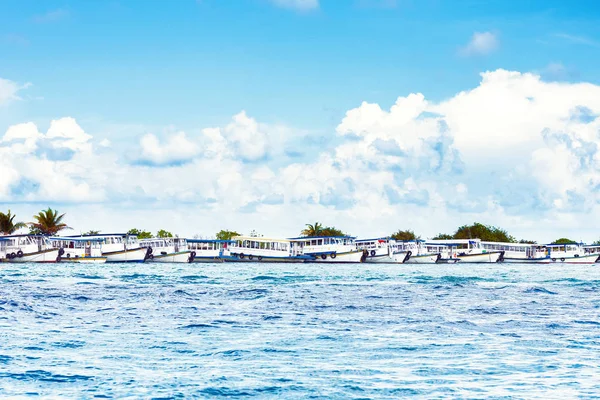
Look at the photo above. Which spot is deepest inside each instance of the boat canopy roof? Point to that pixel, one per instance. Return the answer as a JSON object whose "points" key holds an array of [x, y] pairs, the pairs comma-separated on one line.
{"points": [[260, 239], [102, 235], [22, 235], [209, 241], [515, 244], [453, 241], [371, 240], [563, 244], [75, 239], [301, 238]]}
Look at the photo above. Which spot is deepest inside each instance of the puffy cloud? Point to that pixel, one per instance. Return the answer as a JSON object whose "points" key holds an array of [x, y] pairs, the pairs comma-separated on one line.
{"points": [[514, 151], [300, 5], [482, 43], [177, 149], [9, 90]]}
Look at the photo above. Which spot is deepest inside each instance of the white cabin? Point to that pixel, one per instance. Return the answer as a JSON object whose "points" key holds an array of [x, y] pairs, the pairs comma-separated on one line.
{"points": [[167, 250], [209, 250], [465, 251], [80, 250], [120, 247], [27, 248], [249, 248], [519, 252], [571, 253], [328, 249]]}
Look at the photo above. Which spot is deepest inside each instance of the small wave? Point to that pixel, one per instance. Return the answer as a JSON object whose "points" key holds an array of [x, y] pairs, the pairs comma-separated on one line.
{"points": [[69, 345], [81, 298], [225, 392], [587, 322], [539, 289], [5, 359], [193, 277], [264, 278], [270, 317], [197, 326], [45, 376]]}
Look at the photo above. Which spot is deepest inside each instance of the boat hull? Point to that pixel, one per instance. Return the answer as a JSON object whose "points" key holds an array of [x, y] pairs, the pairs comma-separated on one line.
{"points": [[345, 257], [423, 259], [84, 260], [489, 257], [136, 255], [44, 256], [207, 259], [586, 259], [514, 260], [262, 259], [179, 257]]}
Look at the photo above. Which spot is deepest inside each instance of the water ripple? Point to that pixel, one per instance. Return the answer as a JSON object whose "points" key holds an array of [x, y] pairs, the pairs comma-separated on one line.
{"points": [[298, 331]]}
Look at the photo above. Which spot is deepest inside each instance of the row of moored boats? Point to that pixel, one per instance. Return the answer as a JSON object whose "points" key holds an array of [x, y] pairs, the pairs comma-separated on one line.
{"points": [[340, 249]]}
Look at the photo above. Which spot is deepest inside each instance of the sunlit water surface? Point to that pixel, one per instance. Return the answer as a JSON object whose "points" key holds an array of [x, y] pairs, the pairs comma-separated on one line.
{"points": [[297, 331]]}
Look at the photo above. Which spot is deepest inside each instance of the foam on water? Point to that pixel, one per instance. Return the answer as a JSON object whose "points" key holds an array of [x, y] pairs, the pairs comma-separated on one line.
{"points": [[296, 331]]}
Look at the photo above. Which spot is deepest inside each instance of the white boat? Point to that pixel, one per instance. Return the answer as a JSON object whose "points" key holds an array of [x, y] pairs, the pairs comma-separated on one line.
{"points": [[465, 251], [519, 252], [28, 249], [571, 253], [79, 250], [209, 250], [382, 250], [419, 253], [592, 249], [169, 250], [328, 249], [260, 249], [120, 247]]}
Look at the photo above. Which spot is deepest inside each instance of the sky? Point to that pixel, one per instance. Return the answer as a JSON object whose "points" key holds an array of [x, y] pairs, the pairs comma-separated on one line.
{"points": [[368, 115]]}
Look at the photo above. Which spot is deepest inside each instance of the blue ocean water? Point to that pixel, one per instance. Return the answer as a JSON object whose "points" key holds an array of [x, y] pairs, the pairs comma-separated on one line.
{"points": [[299, 330]]}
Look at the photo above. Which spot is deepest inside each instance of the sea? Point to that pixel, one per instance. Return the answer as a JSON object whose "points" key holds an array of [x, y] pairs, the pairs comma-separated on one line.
{"points": [[295, 331]]}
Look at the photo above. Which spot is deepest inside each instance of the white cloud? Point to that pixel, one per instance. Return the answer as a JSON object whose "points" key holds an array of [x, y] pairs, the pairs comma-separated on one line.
{"points": [[9, 90], [300, 5], [176, 149], [481, 43], [514, 151]]}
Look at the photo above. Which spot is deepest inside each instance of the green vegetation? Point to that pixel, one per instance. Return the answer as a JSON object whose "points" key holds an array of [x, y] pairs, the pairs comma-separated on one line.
{"points": [[164, 234], [139, 233], [91, 233], [563, 241], [404, 235], [47, 222], [226, 235], [525, 241], [484, 232], [7, 224], [319, 230], [443, 236]]}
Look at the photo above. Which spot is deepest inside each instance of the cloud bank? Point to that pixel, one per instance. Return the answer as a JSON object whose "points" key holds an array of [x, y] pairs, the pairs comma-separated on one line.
{"points": [[515, 151]]}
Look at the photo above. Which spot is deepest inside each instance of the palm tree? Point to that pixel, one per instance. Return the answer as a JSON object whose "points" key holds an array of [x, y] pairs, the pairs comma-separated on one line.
{"points": [[48, 222], [312, 230], [7, 224]]}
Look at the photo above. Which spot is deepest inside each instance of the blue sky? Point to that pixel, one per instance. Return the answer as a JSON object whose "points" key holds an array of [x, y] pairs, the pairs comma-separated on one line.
{"points": [[124, 70]]}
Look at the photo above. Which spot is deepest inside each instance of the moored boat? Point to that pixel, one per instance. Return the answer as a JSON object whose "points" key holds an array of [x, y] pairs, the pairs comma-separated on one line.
{"points": [[120, 247], [79, 250], [328, 249], [571, 253], [28, 249], [519, 252], [465, 251], [260, 249], [171, 250], [419, 253], [382, 250], [209, 250]]}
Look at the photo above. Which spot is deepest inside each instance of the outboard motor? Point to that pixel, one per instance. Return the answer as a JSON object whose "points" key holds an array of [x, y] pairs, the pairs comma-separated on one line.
{"points": [[192, 256]]}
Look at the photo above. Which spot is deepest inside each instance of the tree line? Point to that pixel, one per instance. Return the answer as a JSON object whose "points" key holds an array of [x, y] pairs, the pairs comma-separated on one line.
{"points": [[50, 222]]}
